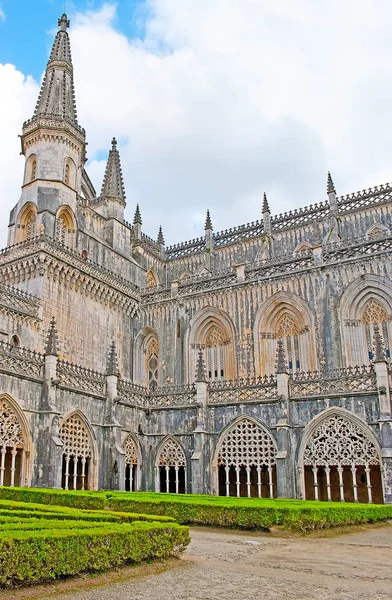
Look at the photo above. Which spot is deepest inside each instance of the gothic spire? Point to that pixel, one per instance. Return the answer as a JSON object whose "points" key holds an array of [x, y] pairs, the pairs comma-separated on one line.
{"points": [[201, 373], [160, 238], [208, 224], [57, 96], [113, 184], [266, 208], [281, 366], [330, 185], [112, 366], [52, 340], [137, 219]]}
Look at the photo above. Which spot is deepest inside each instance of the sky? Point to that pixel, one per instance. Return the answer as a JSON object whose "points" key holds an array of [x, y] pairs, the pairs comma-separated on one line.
{"points": [[213, 102]]}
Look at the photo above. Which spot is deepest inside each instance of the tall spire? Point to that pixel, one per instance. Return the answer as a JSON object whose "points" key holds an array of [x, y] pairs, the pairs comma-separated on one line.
{"points": [[57, 96], [51, 340], [113, 184], [266, 208], [160, 238], [330, 185], [137, 219], [112, 365], [201, 373], [208, 224]]}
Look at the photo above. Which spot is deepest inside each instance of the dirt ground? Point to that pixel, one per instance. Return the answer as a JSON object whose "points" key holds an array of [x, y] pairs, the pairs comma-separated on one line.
{"points": [[224, 564]]}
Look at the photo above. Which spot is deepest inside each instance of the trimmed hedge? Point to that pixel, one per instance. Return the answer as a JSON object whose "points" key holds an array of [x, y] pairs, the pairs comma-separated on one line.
{"points": [[35, 556], [246, 513]]}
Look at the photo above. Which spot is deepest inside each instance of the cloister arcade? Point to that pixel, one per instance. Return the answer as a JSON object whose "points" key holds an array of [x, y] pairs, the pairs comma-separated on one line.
{"points": [[78, 453], [15, 444], [171, 466]]}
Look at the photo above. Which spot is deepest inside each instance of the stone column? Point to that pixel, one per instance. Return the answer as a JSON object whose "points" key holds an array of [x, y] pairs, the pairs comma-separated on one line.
{"points": [[284, 466]]}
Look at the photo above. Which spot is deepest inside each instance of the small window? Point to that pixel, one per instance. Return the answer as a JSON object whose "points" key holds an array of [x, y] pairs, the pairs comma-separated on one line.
{"points": [[15, 341]]}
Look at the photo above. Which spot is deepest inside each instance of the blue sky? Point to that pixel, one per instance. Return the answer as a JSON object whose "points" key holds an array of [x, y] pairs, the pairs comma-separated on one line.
{"points": [[213, 102], [22, 42]]}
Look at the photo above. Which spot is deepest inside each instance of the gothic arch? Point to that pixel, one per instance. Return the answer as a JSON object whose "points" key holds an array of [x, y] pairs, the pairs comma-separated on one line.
{"points": [[213, 330], [80, 453], [244, 460], [302, 248], [287, 316], [65, 226], [171, 466], [339, 458], [151, 278], [16, 447], [355, 300], [146, 349], [133, 462], [27, 223]]}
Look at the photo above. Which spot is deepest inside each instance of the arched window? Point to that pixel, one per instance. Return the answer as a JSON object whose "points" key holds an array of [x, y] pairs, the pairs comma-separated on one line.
{"points": [[131, 463], [341, 463], [212, 330], [246, 461], [152, 357], [31, 169], [69, 172], [27, 225], [172, 467], [288, 331], [15, 341], [12, 445], [215, 353], [374, 313], [77, 453], [64, 226]]}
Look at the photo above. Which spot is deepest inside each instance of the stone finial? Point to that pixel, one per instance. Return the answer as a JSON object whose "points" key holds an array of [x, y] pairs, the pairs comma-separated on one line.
{"points": [[52, 340], [112, 366], [63, 22], [266, 208], [208, 224], [137, 219], [160, 238], [281, 366], [113, 183], [378, 344], [330, 185], [201, 373]]}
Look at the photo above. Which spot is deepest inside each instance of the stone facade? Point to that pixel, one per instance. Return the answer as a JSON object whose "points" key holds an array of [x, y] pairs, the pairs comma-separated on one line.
{"points": [[253, 361]]}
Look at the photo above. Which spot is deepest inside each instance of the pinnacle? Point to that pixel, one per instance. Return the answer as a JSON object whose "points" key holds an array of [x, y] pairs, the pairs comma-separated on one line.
{"points": [[160, 238], [281, 366], [201, 373], [330, 185], [137, 219], [63, 22], [113, 184], [51, 341], [208, 224], [112, 366], [266, 208], [378, 344]]}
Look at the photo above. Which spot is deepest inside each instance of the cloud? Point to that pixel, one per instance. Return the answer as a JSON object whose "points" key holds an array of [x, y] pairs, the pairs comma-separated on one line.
{"points": [[2, 15], [224, 99]]}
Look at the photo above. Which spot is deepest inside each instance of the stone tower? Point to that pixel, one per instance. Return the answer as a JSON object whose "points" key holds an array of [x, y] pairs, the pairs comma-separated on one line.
{"points": [[54, 146]]}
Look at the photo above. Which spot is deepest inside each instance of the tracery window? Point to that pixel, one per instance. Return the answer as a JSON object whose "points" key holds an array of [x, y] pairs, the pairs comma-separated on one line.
{"points": [[28, 223], [341, 463], [172, 468], [215, 353], [288, 331], [130, 464], [66, 174], [375, 313], [11, 446], [64, 226], [77, 453], [246, 461], [152, 365], [33, 170]]}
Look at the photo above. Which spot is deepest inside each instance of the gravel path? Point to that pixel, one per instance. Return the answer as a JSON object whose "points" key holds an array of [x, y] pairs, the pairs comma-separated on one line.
{"points": [[222, 564]]}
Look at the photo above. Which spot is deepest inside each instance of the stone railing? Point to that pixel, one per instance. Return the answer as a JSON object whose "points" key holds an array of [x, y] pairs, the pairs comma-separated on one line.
{"points": [[21, 361], [172, 396], [18, 300], [243, 390], [132, 393], [78, 378], [339, 381]]}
